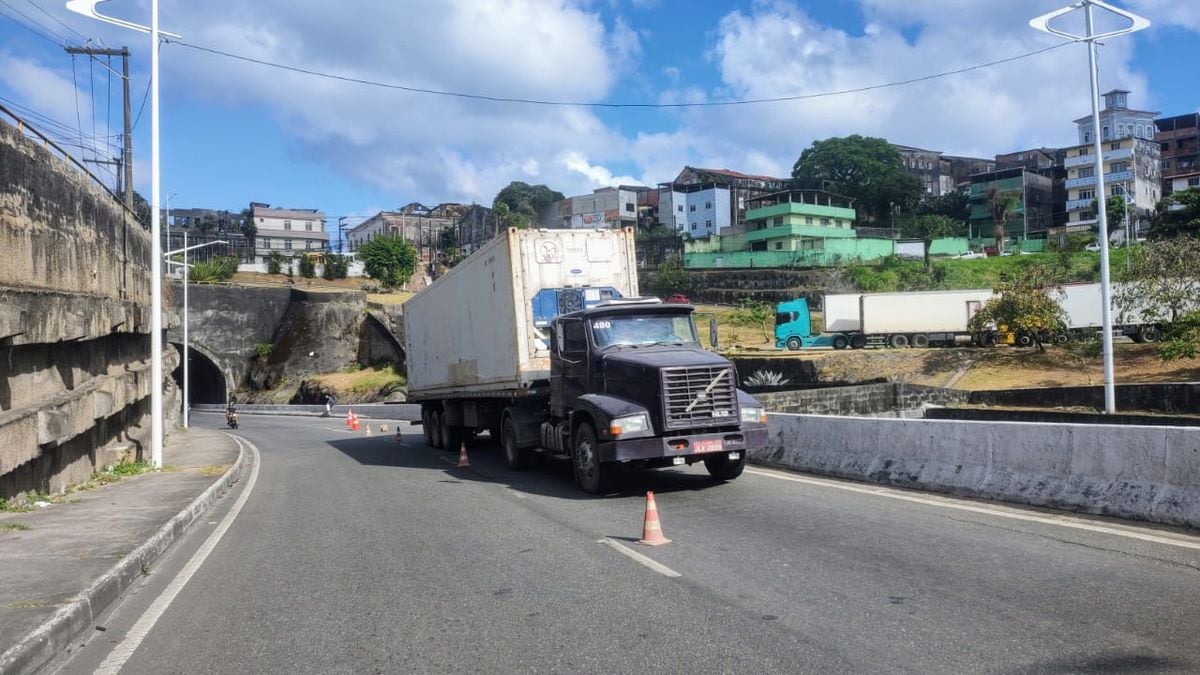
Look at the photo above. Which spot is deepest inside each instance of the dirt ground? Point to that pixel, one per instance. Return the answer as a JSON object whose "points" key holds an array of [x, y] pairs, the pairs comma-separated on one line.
{"points": [[319, 284]]}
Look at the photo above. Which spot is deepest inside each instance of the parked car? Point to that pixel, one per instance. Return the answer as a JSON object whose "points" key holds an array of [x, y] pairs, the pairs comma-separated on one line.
{"points": [[969, 255], [679, 299], [1094, 247]]}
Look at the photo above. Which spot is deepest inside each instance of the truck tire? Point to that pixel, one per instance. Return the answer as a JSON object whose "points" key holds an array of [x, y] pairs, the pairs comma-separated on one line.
{"points": [[427, 427], [793, 343], [1024, 339], [858, 341], [515, 458], [898, 341], [435, 430], [987, 339], [1149, 334], [452, 436], [592, 476], [722, 468], [840, 342], [920, 340]]}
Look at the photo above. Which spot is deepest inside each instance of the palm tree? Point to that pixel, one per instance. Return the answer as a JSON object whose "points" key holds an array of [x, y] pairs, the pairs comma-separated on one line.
{"points": [[1002, 205]]}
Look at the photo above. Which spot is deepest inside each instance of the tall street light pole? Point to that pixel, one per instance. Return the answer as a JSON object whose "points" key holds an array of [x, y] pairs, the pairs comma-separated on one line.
{"points": [[88, 8], [187, 345], [1137, 23]]}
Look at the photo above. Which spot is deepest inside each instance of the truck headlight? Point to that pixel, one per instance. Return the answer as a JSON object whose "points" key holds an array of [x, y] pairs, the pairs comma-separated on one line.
{"points": [[753, 415], [629, 424]]}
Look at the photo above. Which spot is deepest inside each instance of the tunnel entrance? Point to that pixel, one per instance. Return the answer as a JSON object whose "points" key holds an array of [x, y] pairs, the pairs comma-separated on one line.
{"points": [[206, 382]]}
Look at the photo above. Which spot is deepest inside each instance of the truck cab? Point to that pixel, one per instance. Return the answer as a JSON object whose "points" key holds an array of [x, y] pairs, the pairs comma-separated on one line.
{"points": [[630, 384], [793, 327]]}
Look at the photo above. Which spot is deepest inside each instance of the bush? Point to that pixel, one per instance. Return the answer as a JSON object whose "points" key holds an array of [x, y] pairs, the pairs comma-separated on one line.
{"points": [[275, 263], [217, 268], [671, 278], [336, 267], [308, 268]]}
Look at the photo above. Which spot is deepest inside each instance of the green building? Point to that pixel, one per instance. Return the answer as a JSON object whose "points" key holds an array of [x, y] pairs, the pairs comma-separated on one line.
{"points": [[797, 220], [1031, 200]]}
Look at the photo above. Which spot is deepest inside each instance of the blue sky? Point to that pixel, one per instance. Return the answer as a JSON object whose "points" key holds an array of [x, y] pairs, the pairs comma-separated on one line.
{"points": [[234, 132]]}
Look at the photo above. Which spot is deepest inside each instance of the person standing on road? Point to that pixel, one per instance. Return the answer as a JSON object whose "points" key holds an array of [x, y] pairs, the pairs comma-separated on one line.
{"points": [[329, 403]]}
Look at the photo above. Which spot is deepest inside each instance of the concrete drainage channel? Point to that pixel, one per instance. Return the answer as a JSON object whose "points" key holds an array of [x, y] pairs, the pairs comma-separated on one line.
{"points": [[1149, 473]]}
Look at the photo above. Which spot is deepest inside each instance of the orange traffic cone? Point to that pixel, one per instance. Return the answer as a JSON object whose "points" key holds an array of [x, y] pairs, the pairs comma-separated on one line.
{"points": [[349, 418], [652, 534], [463, 463], [354, 423]]}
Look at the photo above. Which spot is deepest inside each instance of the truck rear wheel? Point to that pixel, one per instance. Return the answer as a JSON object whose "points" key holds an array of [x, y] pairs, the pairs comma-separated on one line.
{"points": [[721, 467], [592, 476], [515, 458], [426, 427], [793, 343], [435, 429], [920, 340], [898, 341], [1149, 334], [858, 341], [840, 342], [452, 436]]}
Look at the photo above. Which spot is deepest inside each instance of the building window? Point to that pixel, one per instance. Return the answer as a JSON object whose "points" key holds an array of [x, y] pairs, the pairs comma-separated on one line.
{"points": [[824, 221], [708, 205], [287, 244], [692, 208], [1087, 215], [681, 208], [1105, 133], [1120, 130], [1087, 194], [1087, 172], [1194, 182], [778, 245], [1117, 167], [1085, 151], [287, 224], [629, 207], [779, 221], [808, 220], [1087, 137], [308, 225], [708, 224], [1114, 146]]}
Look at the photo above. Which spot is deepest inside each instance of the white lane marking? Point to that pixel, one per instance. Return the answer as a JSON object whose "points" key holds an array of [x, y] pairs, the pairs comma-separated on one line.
{"points": [[133, 639], [1060, 521], [344, 431], [644, 560]]}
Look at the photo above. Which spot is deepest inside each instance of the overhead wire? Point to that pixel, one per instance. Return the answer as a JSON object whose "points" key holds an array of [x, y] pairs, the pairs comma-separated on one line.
{"points": [[60, 21], [600, 104], [40, 30]]}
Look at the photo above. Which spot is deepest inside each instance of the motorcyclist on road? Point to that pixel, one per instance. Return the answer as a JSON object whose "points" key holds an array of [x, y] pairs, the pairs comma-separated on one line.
{"points": [[230, 414]]}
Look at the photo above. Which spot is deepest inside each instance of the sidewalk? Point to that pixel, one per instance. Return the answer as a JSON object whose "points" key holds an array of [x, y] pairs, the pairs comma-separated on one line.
{"points": [[63, 564]]}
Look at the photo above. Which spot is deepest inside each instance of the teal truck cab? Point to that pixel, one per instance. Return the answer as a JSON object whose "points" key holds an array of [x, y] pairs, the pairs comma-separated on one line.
{"points": [[793, 328]]}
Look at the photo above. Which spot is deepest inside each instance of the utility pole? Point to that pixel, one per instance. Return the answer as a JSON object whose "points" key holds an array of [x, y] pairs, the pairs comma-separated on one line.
{"points": [[126, 162]]}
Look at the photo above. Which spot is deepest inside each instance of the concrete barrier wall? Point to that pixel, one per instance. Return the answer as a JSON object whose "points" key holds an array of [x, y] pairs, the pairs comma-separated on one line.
{"points": [[1141, 472], [1161, 397], [881, 398]]}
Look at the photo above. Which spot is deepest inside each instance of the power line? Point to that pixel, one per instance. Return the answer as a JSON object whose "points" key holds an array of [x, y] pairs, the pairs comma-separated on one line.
{"points": [[138, 117], [592, 104], [60, 21], [41, 31]]}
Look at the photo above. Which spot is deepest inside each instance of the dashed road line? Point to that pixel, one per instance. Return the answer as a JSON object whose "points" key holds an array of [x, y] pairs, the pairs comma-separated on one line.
{"points": [[641, 559]]}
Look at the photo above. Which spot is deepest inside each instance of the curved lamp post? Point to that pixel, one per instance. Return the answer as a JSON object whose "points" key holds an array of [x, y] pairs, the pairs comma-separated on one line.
{"points": [[1136, 23]]}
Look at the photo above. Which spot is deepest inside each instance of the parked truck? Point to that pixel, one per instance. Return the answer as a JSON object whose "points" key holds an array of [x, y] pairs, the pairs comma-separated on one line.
{"points": [[618, 381], [932, 318], [1082, 306]]}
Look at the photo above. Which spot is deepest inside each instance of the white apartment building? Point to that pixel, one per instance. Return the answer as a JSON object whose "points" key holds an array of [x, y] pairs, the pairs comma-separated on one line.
{"points": [[609, 207], [1131, 164], [287, 231], [695, 210]]}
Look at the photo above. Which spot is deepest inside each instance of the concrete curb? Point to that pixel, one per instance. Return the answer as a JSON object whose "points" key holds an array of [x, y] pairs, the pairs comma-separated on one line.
{"points": [[404, 412], [45, 642]]}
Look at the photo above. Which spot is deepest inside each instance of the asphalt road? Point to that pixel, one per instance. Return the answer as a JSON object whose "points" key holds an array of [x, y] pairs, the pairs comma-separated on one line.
{"points": [[354, 554]]}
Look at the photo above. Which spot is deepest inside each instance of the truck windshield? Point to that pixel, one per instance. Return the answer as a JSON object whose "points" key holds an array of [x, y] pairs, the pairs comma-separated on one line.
{"points": [[643, 330]]}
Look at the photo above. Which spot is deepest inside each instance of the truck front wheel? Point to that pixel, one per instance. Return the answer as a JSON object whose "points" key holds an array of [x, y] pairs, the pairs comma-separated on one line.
{"points": [[840, 342], [591, 475], [721, 467], [793, 343], [515, 458]]}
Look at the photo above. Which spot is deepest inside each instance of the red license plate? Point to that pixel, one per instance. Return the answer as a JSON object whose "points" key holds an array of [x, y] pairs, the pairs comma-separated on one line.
{"points": [[711, 445]]}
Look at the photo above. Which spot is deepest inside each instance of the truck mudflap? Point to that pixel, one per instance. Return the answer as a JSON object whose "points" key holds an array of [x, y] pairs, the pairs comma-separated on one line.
{"points": [[675, 446]]}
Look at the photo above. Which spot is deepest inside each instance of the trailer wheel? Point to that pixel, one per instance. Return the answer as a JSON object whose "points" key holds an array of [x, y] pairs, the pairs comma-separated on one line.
{"points": [[840, 342], [858, 341], [590, 473], [898, 341], [515, 458], [1024, 339], [793, 343], [987, 339], [435, 430], [920, 340], [721, 467], [1149, 333], [427, 427]]}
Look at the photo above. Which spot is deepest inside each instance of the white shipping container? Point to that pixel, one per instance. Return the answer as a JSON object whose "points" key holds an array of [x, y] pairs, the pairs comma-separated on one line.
{"points": [[924, 312], [471, 332], [840, 312]]}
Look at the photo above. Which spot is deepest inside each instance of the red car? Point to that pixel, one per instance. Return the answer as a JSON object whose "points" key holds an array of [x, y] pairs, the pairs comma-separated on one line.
{"points": [[679, 299]]}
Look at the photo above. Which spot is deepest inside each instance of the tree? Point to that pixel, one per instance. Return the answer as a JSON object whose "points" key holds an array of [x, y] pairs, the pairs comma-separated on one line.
{"points": [[671, 278], [867, 169], [953, 205], [248, 228], [1026, 305], [336, 267], [1182, 339], [207, 223], [389, 260], [275, 263], [1002, 205], [929, 227], [308, 268], [755, 314], [523, 202], [1114, 212], [1161, 281], [1177, 214], [141, 209]]}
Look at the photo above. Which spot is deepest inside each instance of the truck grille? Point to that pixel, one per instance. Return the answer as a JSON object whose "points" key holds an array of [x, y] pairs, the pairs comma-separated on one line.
{"points": [[699, 397]]}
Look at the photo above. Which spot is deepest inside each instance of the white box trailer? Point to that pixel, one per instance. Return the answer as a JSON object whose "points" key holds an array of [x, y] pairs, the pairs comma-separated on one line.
{"points": [[840, 312], [1083, 309], [471, 333], [919, 319]]}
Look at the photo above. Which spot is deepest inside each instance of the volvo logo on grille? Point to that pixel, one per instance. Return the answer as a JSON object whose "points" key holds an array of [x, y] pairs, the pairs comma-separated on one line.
{"points": [[703, 396]]}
